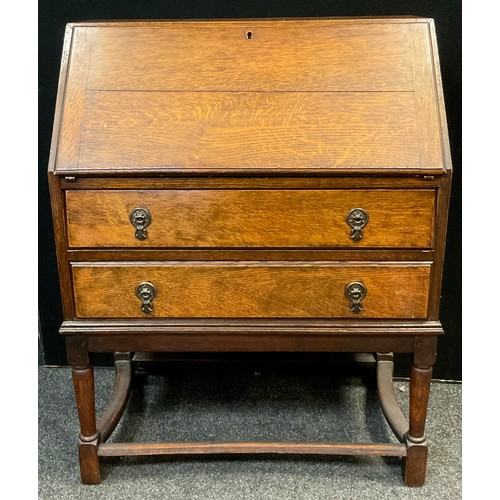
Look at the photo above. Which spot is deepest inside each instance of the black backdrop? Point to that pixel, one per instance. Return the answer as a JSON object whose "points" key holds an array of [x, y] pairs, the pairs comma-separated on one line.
{"points": [[53, 16]]}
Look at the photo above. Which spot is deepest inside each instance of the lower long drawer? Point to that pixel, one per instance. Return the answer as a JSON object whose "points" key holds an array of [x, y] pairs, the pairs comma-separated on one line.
{"points": [[251, 290]]}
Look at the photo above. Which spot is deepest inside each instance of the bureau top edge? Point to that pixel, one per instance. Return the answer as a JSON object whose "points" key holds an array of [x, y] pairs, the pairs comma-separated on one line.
{"points": [[245, 21]]}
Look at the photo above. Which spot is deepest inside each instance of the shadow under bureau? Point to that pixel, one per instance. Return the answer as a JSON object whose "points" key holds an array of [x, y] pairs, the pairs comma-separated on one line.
{"points": [[251, 186]]}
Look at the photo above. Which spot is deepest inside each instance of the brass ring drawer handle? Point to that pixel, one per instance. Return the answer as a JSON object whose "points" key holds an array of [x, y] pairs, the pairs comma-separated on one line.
{"points": [[140, 218], [146, 292], [355, 293], [357, 218]]}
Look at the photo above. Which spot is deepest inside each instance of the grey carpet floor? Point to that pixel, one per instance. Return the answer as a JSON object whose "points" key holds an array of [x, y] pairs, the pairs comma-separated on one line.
{"points": [[209, 404]]}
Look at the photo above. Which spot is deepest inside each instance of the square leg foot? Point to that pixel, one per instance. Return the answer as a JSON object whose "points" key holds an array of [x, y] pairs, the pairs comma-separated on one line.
{"points": [[89, 462], [415, 464]]}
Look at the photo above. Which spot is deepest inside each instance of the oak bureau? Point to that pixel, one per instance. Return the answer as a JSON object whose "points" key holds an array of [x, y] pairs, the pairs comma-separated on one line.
{"points": [[252, 185]]}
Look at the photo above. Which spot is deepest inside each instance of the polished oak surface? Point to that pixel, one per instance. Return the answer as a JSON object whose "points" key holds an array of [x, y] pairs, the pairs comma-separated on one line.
{"points": [[251, 290], [201, 176], [251, 218], [241, 130], [241, 96], [275, 56]]}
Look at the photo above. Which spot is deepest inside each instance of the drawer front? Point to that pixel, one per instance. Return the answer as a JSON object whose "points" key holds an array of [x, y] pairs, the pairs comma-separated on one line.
{"points": [[250, 290], [251, 218]]}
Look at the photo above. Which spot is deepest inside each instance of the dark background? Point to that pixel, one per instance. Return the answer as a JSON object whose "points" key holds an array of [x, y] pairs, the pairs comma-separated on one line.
{"points": [[53, 16]]}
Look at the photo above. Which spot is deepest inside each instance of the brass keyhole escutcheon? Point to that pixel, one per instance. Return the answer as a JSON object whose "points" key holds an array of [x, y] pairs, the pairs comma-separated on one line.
{"points": [[140, 218], [357, 218], [355, 293], [146, 292]]}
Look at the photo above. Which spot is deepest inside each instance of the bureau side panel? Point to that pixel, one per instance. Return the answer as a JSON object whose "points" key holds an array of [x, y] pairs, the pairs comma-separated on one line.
{"points": [[73, 106], [60, 232], [442, 208], [426, 101]]}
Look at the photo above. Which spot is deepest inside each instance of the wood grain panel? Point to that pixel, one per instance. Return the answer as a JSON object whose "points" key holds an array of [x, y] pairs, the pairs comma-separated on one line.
{"points": [[440, 98], [61, 89], [427, 110], [203, 97], [277, 57], [241, 130], [61, 240], [251, 290], [250, 218], [73, 107]]}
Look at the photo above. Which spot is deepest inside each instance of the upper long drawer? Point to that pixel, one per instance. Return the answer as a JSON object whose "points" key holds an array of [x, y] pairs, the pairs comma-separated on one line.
{"points": [[251, 218]]}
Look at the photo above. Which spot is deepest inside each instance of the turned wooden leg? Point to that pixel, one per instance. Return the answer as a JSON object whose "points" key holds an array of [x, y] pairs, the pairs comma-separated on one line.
{"points": [[83, 382], [415, 464]]}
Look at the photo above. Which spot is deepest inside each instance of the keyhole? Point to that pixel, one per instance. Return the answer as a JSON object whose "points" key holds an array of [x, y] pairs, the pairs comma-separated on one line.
{"points": [[249, 35]]}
